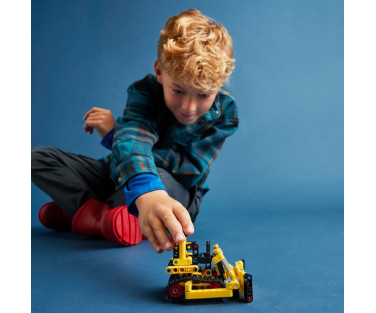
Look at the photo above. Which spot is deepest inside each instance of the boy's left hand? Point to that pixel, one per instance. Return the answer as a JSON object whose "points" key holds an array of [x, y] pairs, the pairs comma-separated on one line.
{"points": [[99, 119]]}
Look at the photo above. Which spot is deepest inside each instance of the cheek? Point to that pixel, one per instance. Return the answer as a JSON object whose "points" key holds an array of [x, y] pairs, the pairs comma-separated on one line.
{"points": [[169, 99], [205, 106]]}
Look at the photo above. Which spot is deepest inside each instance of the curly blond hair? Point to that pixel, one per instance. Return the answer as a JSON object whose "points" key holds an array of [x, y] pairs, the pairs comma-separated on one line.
{"points": [[196, 49]]}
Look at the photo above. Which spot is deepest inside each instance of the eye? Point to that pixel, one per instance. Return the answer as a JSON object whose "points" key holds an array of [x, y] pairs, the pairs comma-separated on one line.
{"points": [[203, 95], [178, 91]]}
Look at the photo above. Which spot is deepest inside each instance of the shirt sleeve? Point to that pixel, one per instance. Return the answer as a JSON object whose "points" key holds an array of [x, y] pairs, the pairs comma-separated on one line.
{"points": [[138, 186], [135, 136], [107, 140]]}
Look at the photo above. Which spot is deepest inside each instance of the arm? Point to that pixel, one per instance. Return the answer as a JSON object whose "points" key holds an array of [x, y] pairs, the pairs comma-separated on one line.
{"points": [[191, 164], [134, 138], [157, 210]]}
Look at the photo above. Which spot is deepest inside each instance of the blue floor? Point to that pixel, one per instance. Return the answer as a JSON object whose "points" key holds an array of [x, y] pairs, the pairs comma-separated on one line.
{"points": [[296, 259]]}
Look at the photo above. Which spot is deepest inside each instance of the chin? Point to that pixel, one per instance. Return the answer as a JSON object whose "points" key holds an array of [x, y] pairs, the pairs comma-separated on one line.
{"points": [[186, 123]]}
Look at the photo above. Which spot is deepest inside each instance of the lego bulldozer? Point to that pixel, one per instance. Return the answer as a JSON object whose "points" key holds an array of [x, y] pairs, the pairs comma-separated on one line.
{"points": [[193, 278]]}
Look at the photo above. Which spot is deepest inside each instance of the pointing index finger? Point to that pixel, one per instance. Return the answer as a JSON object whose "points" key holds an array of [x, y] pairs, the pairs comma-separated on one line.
{"points": [[184, 219], [174, 227]]}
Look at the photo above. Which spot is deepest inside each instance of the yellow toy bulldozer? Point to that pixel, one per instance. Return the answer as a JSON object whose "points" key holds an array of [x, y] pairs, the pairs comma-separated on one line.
{"points": [[195, 279]]}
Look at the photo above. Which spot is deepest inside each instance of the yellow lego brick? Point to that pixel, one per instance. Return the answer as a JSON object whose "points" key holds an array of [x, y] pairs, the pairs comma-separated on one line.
{"points": [[181, 269], [209, 293], [206, 293]]}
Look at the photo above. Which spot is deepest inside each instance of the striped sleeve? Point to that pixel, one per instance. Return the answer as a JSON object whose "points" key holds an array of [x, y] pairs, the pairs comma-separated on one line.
{"points": [[134, 138]]}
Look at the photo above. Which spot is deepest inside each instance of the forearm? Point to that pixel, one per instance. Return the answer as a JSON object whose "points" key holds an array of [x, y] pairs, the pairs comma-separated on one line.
{"points": [[132, 149]]}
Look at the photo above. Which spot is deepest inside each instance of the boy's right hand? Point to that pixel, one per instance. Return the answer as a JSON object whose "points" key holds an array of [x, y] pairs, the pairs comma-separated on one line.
{"points": [[99, 119], [158, 211]]}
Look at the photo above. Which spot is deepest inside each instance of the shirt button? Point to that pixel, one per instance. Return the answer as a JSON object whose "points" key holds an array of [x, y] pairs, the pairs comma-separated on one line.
{"points": [[216, 112], [119, 180]]}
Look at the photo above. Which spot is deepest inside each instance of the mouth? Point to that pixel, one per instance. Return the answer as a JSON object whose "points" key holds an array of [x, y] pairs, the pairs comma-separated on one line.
{"points": [[187, 116], [187, 119]]}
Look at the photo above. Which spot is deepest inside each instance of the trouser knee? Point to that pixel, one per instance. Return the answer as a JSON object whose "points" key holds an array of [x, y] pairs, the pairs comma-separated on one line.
{"points": [[40, 157], [40, 153]]}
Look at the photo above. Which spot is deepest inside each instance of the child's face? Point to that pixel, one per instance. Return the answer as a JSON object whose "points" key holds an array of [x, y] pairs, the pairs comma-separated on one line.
{"points": [[186, 103]]}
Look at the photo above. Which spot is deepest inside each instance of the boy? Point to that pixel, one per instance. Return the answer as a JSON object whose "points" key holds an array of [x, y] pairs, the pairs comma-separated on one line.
{"points": [[173, 127]]}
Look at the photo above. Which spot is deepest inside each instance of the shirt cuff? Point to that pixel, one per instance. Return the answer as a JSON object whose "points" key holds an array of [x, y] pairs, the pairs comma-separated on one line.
{"points": [[107, 140], [138, 186]]}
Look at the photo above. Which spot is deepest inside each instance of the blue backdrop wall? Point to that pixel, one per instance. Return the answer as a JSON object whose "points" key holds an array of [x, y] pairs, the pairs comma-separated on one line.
{"points": [[288, 83]]}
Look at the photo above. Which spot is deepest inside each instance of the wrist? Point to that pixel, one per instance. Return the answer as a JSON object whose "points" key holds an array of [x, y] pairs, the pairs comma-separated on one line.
{"points": [[151, 195], [107, 139]]}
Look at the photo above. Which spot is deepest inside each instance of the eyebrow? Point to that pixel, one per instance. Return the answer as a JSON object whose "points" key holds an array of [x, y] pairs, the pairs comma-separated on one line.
{"points": [[177, 86], [201, 92]]}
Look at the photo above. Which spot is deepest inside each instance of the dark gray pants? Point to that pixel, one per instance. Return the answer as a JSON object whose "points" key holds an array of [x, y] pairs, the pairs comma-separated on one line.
{"points": [[72, 179]]}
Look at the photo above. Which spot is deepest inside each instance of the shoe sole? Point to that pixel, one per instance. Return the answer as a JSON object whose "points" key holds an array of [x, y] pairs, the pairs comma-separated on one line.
{"points": [[122, 227]]}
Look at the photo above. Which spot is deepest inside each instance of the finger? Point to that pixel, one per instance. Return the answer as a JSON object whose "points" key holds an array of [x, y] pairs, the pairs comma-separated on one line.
{"points": [[97, 116], [184, 219], [91, 120], [88, 113], [89, 124], [100, 118], [97, 113], [88, 128], [174, 227], [96, 119], [149, 233], [91, 111], [161, 233]]}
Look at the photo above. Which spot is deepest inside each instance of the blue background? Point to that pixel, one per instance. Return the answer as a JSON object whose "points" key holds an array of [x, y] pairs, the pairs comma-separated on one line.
{"points": [[276, 196]]}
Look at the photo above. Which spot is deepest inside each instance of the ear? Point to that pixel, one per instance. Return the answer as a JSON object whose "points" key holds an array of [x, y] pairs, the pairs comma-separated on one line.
{"points": [[158, 71]]}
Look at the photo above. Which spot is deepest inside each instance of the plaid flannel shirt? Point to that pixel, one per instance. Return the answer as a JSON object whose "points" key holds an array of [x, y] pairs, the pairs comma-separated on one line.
{"points": [[148, 136]]}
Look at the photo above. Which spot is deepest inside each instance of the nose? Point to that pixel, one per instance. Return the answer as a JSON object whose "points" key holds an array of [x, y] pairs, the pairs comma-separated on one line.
{"points": [[189, 104]]}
